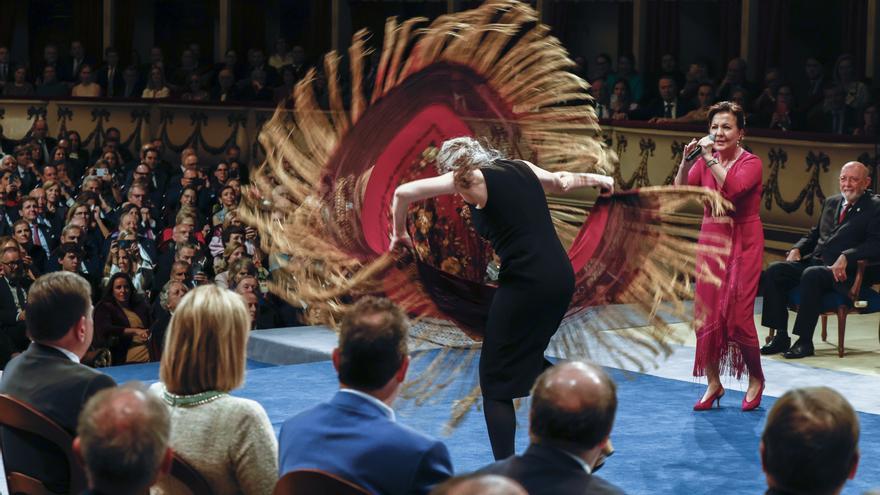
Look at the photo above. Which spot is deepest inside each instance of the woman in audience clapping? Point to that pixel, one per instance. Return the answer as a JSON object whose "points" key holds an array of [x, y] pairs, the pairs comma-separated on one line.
{"points": [[203, 361]]}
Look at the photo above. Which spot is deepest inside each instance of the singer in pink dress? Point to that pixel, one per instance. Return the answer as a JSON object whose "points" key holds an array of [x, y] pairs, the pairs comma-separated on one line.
{"points": [[727, 340]]}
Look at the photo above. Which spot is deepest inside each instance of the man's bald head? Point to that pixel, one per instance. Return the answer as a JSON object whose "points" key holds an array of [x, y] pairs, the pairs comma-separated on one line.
{"points": [[480, 484], [855, 179], [573, 406]]}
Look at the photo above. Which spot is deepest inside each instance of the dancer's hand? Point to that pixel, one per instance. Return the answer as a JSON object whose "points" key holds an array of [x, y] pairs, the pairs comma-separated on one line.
{"points": [[566, 180], [603, 182], [400, 241]]}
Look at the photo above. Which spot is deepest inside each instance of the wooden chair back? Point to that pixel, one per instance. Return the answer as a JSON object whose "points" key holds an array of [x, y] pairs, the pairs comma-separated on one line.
{"points": [[309, 481], [17, 415]]}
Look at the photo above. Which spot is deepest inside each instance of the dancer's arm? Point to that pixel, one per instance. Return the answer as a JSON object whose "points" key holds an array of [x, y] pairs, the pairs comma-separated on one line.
{"points": [[560, 182], [405, 194]]}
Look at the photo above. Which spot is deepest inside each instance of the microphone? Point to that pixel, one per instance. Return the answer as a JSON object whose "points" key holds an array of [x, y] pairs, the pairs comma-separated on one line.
{"points": [[696, 151]]}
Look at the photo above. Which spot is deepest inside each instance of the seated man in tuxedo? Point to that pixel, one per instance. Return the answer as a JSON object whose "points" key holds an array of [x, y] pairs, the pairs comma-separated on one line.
{"points": [[123, 440], [48, 375], [824, 259], [572, 412], [810, 443], [356, 435]]}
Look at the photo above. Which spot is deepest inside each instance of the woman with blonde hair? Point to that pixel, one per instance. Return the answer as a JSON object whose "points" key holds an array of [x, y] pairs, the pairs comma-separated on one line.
{"points": [[234, 251], [204, 360]]}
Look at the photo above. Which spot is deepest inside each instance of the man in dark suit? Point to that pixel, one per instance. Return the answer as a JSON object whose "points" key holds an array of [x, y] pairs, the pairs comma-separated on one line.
{"points": [[668, 105], [48, 375], [810, 443], [355, 435], [40, 235], [77, 59], [824, 259], [572, 412], [13, 302], [110, 75], [6, 70]]}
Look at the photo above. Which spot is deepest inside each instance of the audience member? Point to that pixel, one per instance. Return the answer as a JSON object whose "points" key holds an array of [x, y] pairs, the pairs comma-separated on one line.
{"points": [[621, 103], [122, 322], [626, 71], [810, 444], [870, 122], [132, 87], [204, 360], [195, 91], [51, 87], [5, 66], [110, 76], [19, 85], [705, 99], [123, 441], [572, 412], [13, 303], [697, 74], [825, 259], [479, 484], [169, 298], [857, 93], [834, 116], [78, 59], [355, 435], [281, 56], [810, 89], [156, 87], [735, 78], [48, 375], [668, 106], [87, 86]]}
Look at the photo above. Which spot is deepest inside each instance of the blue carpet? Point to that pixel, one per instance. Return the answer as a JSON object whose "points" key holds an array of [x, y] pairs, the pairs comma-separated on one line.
{"points": [[149, 372], [662, 446]]}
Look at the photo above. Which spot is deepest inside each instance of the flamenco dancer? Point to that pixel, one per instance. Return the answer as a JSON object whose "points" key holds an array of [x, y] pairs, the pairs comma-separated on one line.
{"points": [[508, 207], [727, 339]]}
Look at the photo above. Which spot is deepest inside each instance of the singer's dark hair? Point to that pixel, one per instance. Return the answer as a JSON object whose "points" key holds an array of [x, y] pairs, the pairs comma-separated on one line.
{"points": [[729, 107]]}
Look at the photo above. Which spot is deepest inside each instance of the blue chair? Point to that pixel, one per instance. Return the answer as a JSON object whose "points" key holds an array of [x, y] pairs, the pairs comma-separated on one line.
{"points": [[860, 300]]}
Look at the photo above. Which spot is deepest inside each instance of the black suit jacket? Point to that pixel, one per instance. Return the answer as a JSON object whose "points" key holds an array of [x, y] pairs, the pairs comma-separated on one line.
{"points": [[547, 470], [46, 379], [117, 82], [657, 107], [857, 237]]}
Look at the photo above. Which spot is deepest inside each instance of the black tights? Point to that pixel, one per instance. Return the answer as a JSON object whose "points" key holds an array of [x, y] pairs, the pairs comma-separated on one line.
{"points": [[501, 424]]}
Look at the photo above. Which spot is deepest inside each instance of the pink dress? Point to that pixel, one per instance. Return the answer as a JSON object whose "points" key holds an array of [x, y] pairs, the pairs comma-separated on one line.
{"points": [[726, 334]]}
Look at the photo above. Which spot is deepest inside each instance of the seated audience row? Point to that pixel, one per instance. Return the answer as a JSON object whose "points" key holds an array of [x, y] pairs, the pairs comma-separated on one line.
{"points": [[125, 436]]}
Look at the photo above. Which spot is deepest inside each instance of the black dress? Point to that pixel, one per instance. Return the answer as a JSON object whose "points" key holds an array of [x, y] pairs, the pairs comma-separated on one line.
{"points": [[536, 281]]}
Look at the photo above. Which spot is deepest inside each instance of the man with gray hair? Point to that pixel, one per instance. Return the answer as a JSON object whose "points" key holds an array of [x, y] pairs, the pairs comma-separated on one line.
{"points": [[572, 412], [123, 440]]}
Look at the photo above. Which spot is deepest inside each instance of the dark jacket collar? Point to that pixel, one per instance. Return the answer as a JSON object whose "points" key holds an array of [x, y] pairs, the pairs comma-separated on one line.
{"points": [[553, 455]]}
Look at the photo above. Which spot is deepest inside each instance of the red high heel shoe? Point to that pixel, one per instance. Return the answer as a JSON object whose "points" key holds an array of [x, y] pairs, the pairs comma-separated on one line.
{"points": [[707, 404], [749, 405]]}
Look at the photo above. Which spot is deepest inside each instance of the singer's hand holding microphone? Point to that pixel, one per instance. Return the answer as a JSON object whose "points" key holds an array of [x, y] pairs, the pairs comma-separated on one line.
{"points": [[695, 148]]}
